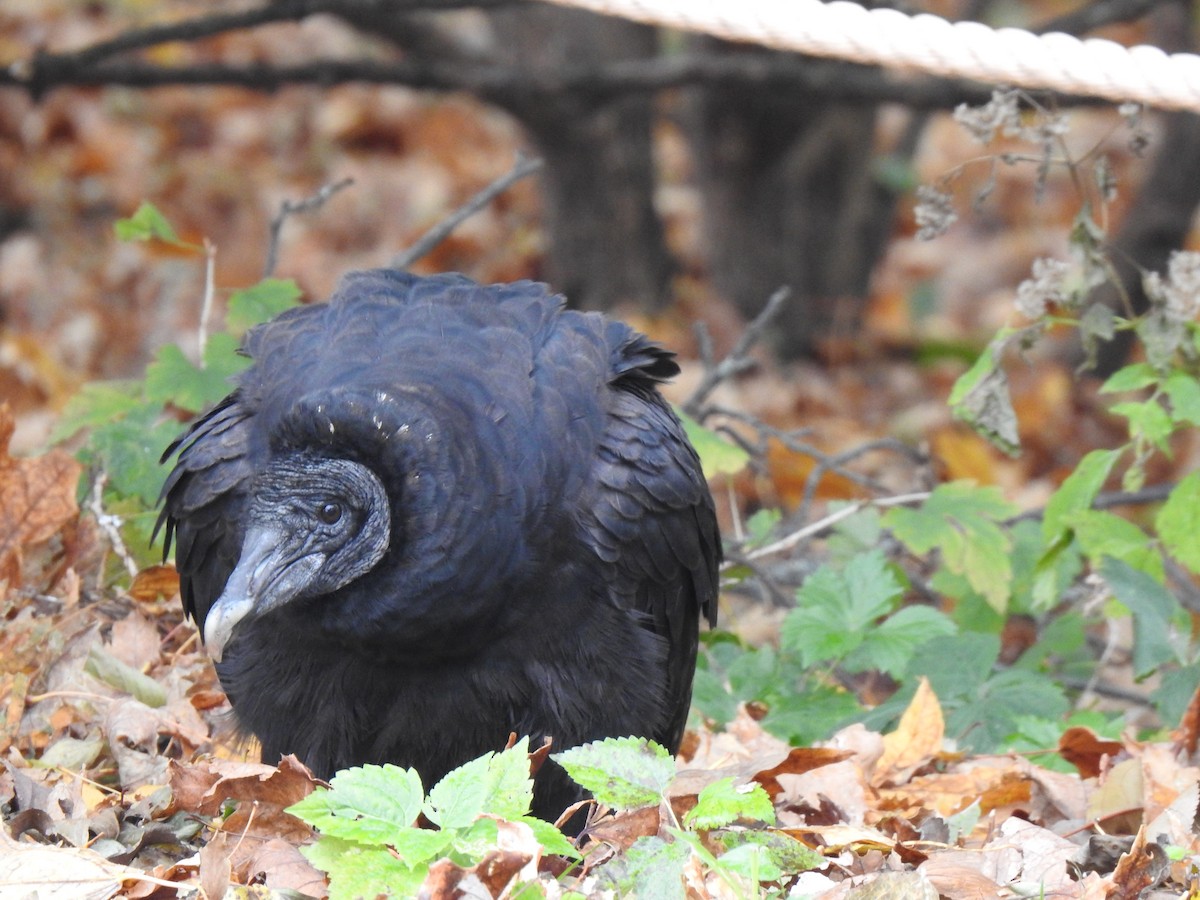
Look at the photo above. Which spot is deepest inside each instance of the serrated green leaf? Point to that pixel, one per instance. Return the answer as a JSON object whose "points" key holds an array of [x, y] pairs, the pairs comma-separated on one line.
{"points": [[1077, 492], [801, 718], [652, 869], [890, 645], [788, 853], [1152, 608], [97, 403], [261, 302], [103, 665], [623, 773], [723, 803], [1148, 421], [368, 804], [1131, 378], [147, 223], [752, 862], [552, 840], [956, 665], [172, 378], [1101, 533], [356, 871], [960, 519], [1178, 522], [497, 783], [128, 450], [1183, 390], [717, 455]]}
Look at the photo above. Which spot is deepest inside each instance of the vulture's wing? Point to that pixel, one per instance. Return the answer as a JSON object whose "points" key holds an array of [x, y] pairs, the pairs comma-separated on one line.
{"points": [[652, 517], [204, 498]]}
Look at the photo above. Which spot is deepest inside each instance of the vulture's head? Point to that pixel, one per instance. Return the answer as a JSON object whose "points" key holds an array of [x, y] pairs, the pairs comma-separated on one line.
{"points": [[315, 524]]}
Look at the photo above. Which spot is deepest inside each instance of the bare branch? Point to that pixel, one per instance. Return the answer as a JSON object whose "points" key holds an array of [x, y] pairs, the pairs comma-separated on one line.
{"points": [[289, 207], [738, 359], [522, 168]]}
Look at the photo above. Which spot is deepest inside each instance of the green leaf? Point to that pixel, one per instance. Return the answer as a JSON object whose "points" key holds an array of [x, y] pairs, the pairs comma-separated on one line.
{"points": [[1178, 522], [1077, 493], [1148, 421], [128, 449], [652, 869], [103, 665], [147, 223], [960, 519], [260, 302], [97, 403], [497, 783], [356, 871], [1101, 533], [717, 455], [956, 665], [801, 718], [1131, 378], [1175, 691], [368, 804], [981, 399], [552, 840], [624, 773], [760, 525], [751, 861], [980, 721], [835, 610], [1152, 608], [1183, 390], [172, 378], [722, 803], [788, 853], [890, 646]]}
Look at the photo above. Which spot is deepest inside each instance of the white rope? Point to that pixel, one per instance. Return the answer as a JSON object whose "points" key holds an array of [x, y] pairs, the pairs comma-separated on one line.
{"points": [[926, 43]]}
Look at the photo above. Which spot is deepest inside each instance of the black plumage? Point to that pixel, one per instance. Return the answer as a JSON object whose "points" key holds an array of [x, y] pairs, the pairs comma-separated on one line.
{"points": [[433, 513]]}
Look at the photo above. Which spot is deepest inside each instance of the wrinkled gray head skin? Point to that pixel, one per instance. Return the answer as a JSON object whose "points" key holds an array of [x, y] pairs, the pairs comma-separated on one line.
{"points": [[315, 525]]}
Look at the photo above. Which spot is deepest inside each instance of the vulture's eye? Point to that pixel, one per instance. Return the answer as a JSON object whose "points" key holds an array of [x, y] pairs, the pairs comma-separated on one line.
{"points": [[330, 513]]}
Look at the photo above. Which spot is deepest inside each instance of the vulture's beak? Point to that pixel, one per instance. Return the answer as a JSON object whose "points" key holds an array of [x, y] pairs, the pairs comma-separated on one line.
{"points": [[273, 569]]}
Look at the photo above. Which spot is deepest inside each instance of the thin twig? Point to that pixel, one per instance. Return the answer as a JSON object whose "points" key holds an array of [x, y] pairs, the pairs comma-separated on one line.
{"points": [[290, 207], [522, 168], [837, 461], [110, 525], [210, 266], [814, 528], [737, 360]]}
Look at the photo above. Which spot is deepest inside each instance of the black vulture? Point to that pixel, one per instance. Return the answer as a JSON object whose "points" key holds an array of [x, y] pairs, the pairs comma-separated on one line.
{"points": [[433, 513]]}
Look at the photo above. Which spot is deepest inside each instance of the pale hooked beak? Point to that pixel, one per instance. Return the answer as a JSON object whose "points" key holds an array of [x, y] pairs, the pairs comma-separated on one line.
{"points": [[272, 569]]}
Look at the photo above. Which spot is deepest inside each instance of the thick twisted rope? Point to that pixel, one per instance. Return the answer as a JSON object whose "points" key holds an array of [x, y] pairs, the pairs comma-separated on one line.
{"points": [[926, 43]]}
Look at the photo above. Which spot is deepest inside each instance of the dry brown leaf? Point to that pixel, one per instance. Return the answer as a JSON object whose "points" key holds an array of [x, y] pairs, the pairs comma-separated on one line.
{"points": [[1119, 793], [286, 869], [1142, 867], [203, 787], [1085, 750], [916, 740], [799, 761], [951, 792], [153, 583], [37, 498]]}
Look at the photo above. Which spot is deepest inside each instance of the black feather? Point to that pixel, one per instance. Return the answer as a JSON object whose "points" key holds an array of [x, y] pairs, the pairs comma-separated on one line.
{"points": [[544, 541]]}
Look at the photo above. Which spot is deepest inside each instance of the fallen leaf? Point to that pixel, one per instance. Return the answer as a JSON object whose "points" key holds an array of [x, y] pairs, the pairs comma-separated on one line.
{"points": [[1083, 749], [1142, 867], [37, 496], [916, 740]]}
